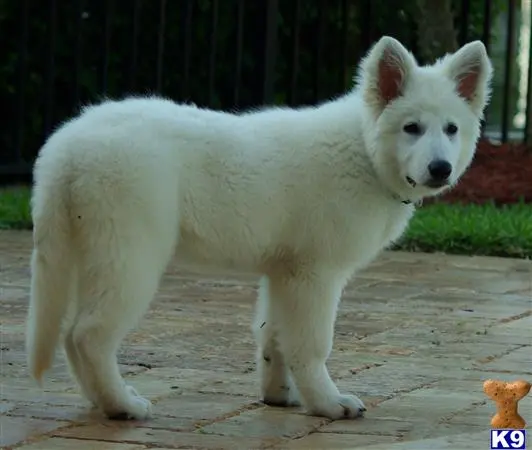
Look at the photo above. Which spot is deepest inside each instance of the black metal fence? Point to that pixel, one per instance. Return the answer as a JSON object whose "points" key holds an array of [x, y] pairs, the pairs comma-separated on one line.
{"points": [[229, 54]]}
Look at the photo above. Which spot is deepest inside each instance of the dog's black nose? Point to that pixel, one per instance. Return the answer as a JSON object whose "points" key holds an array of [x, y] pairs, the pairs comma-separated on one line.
{"points": [[440, 169]]}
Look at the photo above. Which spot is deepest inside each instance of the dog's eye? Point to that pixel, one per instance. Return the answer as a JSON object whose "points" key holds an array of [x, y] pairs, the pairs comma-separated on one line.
{"points": [[451, 129], [412, 128]]}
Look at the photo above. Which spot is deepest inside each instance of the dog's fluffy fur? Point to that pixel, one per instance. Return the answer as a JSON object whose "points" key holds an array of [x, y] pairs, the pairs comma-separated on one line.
{"points": [[304, 197]]}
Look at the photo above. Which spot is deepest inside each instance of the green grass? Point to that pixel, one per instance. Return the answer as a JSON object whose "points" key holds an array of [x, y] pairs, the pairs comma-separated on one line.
{"points": [[460, 229], [15, 208], [471, 230]]}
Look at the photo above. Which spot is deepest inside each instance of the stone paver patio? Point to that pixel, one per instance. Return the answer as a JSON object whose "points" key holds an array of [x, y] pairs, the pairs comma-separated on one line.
{"points": [[415, 338]]}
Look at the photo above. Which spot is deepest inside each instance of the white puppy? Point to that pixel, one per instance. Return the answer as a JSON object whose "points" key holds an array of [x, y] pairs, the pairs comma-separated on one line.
{"points": [[304, 197]]}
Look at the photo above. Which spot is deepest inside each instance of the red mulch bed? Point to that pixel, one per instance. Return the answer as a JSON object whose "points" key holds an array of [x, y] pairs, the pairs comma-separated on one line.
{"points": [[500, 173]]}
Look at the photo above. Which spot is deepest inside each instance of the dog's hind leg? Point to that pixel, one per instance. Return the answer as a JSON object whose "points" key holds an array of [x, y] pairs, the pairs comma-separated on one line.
{"points": [[116, 284], [277, 387], [76, 364]]}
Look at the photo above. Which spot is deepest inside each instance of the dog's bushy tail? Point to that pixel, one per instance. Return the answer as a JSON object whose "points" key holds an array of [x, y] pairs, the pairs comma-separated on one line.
{"points": [[53, 277]]}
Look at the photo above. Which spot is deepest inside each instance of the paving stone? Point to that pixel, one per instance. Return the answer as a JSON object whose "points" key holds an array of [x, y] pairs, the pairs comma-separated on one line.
{"points": [[266, 422], [69, 444], [372, 426], [334, 440], [428, 402], [54, 382], [18, 429], [162, 438], [518, 361], [416, 336], [153, 385], [511, 332], [237, 384], [201, 407], [466, 441], [57, 412], [385, 381], [6, 407], [443, 430], [166, 380], [480, 414], [38, 396]]}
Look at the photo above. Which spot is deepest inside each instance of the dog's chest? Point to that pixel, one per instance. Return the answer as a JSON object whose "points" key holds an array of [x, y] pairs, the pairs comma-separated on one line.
{"points": [[372, 232], [396, 223]]}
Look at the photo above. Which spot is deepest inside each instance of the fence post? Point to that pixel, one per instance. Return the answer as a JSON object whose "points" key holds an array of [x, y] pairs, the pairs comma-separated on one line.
{"points": [[508, 65], [270, 51], [528, 118]]}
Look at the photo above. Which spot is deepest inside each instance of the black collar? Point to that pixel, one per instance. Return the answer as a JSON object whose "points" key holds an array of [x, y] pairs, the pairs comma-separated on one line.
{"points": [[410, 202]]}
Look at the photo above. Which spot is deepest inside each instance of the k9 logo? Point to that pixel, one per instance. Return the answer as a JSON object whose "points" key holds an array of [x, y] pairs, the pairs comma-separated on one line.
{"points": [[513, 439]]}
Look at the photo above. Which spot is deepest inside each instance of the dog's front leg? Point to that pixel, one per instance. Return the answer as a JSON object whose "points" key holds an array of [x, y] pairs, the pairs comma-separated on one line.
{"points": [[277, 387], [303, 309]]}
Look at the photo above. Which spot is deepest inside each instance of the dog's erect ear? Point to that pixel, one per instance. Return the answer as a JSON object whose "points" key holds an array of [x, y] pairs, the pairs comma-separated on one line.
{"points": [[384, 73], [471, 70]]}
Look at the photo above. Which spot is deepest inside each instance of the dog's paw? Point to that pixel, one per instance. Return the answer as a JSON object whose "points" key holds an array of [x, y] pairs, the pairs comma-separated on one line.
{"points": [[132, 391], [136, 407], [342, 407]]}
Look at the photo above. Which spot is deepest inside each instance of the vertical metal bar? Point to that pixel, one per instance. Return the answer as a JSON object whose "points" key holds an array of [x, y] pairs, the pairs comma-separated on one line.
{"points": [[108, 14], [21, 81], [508, 62], [486, 39], [294, 61], [160, 46], [486, 28], [528, 117], [464, 22], [50, 71], [367, 25], [343, 45], [188, 49], [212, 53], [134, 49], [318, 51], [239, 46], [270, 51], [78, 52]]}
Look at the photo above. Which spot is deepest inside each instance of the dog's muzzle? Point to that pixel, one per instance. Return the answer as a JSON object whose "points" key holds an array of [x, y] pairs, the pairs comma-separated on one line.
{"points": [[439, 175], [439, 170]]}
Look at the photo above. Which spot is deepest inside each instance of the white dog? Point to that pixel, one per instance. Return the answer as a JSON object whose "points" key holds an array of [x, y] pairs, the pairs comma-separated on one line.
{"points": [[304, 197]]}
